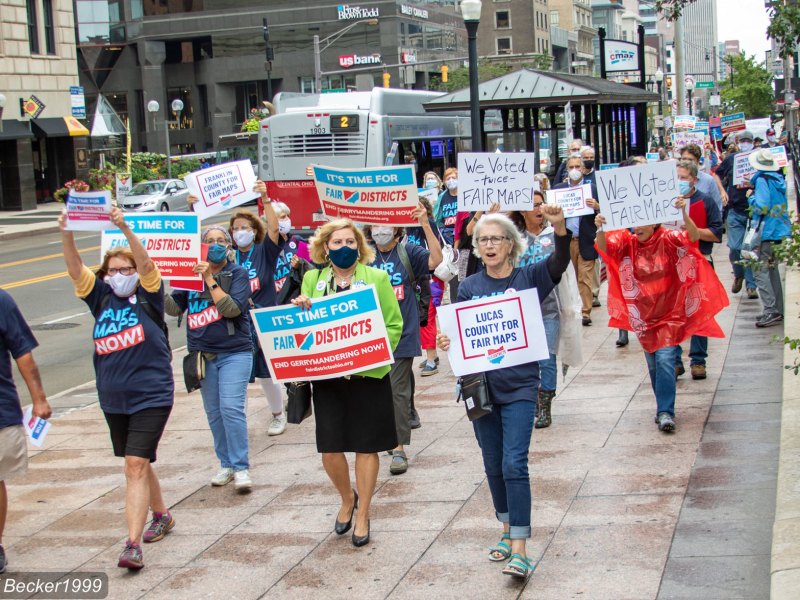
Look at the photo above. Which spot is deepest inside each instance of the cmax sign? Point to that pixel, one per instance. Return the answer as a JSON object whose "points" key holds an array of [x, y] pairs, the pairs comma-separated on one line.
{"points": [[347, 12], [621, 56], [354, 60]]}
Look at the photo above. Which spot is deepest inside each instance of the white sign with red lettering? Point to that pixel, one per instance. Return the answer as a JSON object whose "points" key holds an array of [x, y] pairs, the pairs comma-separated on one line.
{"points": [[89, 211], [222, 187], [572, 200]]}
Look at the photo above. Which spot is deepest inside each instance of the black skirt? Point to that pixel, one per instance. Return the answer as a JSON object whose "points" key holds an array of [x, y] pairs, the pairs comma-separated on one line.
{"points": [[354, 415]]}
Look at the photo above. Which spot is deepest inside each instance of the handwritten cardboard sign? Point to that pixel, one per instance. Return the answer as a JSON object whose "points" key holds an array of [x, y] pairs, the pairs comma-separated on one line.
{"points": [[221, 187], [641, 195], [488, 177], [572, 200], [681, 139]]}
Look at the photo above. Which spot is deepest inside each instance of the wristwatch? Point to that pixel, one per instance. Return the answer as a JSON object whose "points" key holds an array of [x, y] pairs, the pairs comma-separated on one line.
{"points": [[213, 286]]}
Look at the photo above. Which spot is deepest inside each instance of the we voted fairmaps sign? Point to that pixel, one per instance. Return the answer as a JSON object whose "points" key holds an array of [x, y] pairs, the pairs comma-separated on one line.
{"points": [[372, 196], [640, 195], [221, 187], [485, 178], [495, 332], [342, 334], [172, 241]]}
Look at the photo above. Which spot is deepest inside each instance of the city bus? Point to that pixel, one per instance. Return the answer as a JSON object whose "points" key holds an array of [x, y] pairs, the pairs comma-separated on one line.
{"points": [[384, 126]]}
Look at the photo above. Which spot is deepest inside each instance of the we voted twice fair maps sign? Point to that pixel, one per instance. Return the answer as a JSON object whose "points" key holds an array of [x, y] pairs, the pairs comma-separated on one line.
{"points": [[488, 177], [495, 332], [171, 239], [222, 187], [341, 334], [641, 195], [372, 196]]}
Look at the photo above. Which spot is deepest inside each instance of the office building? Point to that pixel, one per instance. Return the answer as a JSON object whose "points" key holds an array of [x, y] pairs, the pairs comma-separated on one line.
{"points": [[576, 16], [515, 31]]}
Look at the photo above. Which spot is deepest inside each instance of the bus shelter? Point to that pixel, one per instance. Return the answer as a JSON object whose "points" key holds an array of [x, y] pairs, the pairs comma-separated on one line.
{"points": [[536, 111]]}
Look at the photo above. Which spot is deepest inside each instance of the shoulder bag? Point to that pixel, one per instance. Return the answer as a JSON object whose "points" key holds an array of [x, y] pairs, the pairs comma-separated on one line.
{"points": [[474, 390]]}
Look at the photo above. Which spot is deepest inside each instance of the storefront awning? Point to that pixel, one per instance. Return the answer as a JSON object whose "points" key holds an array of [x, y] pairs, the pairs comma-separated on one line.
{"points": [[15, 130], [58, 127]]}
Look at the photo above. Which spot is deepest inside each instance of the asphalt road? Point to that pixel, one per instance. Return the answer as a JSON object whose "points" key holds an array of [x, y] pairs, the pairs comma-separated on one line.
{"points": [[32, 270]]}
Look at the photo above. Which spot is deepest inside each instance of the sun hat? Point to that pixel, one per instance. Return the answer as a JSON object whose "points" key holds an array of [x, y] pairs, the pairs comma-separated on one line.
{"points": [[763, 160]]}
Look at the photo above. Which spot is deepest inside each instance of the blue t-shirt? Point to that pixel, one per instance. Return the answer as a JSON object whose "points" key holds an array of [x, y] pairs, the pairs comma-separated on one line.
{"points": [[259, 262], [132, 361], [284, 263], [206, 329], [539, 248], [16, 339], [410, 343], [416, 235], [449, 204], [520, 382]]}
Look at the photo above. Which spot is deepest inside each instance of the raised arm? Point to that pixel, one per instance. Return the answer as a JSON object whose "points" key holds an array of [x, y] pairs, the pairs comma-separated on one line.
{"points": [[269, 212], [691, 227], [558, 262], [72, 257], [434, 247], [144, 264]]}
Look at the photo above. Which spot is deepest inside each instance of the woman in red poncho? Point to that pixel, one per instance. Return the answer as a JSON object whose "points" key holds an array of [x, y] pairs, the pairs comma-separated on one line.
{"points": [[661, 288]]}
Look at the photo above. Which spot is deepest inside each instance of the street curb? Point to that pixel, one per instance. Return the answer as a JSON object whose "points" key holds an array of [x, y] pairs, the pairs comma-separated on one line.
{"points": [[15, 235], [785, 556]]}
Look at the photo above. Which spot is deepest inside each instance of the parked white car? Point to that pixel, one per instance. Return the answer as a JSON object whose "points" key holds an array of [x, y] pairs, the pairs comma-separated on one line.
{"points": [[165, 195]]}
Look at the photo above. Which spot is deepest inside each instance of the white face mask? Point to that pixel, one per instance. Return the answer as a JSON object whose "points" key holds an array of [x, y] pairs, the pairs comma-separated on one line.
{"points": [[382, 236], [284, 226], [575, 174], [745, 146], [244, 238], [772, 138], [122, 285], [451, 184], [431, 183]]}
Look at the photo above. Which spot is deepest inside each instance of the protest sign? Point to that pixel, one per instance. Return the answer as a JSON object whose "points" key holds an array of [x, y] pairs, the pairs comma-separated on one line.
{"points": [[195, 284], [221, 187], [430, 194], [341, 334], [35, 427], [685, 122], [494, 333], [732, 122], [680, 139], [172, 241], [372, 196], [89, 211], [123, 185], [642, 195], [652, 156], [572, 200], [701, 127], [607, 166], [487, 177], [743, 170]]}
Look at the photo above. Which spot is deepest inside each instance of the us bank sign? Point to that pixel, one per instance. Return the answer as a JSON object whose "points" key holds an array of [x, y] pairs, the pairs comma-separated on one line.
{"points": [[347, 12], [621, 56]]}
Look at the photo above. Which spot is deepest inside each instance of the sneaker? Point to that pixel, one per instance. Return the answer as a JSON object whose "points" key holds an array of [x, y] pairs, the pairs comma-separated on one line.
{"points": [[769, 320], [413, 419], [698, 371], [752, 293], [243, 482], [278, 424], [424, 362], [131, 557], [737, 285], [586, 321], [159, 527], [665, 422], [679, 370], [3, 560], [429, 370], [224, 477]]}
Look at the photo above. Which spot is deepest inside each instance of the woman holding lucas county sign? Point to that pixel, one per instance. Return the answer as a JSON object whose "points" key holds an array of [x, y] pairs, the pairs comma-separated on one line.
{"points": [[504, 435]]}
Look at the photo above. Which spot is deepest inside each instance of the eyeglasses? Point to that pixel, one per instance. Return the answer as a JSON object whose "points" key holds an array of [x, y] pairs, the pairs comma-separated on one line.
{"points": [[495, 240], [123, 270]]}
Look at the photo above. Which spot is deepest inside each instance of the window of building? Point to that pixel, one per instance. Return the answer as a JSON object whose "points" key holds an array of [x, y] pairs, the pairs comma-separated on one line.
{"points": [[187, 114], [33, 27], [307, 85], [49, 27], [554, 16], [99, 22], [503, 45], [502, 19]]}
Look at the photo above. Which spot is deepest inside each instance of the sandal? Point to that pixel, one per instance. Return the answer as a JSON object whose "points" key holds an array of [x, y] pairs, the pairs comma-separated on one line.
{"points": [[519, 566], [501, 551]]}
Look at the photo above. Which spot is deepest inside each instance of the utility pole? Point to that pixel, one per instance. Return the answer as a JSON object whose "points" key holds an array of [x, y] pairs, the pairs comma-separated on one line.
{"points": [[788, 93], [680, 71]]}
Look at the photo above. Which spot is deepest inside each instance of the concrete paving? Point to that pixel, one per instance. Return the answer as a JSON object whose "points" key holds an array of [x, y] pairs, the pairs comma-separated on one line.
{"points": [[620, 510]]}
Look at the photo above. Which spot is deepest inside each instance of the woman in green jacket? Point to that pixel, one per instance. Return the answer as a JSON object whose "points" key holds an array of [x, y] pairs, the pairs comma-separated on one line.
{"points": [[353, 413]]}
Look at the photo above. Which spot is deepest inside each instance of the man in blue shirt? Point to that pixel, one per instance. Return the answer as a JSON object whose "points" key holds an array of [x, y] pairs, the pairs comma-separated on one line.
{"points": [[17, 341]]}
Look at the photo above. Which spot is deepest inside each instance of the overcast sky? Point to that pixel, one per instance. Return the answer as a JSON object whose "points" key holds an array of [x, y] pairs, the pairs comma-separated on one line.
{"points": [[746, 21]]}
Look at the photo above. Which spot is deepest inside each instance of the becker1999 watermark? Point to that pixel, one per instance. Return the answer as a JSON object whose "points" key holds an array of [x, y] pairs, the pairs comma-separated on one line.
{"points": [[61, 586]]}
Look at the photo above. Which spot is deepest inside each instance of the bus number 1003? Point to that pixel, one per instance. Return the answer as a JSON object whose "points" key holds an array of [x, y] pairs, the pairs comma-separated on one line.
{"points": [[318, 130]]}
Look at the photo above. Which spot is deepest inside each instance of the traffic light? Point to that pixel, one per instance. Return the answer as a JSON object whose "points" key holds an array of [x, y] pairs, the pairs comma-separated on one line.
{"points": [[669, 82], [445, 71], [266, 29], [386, 79]]}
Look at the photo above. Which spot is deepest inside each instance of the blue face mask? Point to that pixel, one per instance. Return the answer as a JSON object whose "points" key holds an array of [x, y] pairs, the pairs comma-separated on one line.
{"points": [[343, 257], [684, 187], [217, 253], [431, 183]]}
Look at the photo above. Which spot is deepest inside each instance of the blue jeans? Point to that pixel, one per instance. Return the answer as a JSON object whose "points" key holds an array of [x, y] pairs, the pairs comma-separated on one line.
{"points": [[548, 368], [737, 227], [224, 394], [661, 365], [504, 436], [698, 351]]}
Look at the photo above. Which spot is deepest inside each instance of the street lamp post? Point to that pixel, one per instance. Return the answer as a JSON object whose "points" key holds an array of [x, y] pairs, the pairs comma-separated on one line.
{"points": [[328, 41], [2, 106], [659, 77], [689, 88], [471, 11], [177, 107]]}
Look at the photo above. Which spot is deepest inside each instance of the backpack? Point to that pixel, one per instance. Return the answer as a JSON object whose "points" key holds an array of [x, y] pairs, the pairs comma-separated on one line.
{"points": [[422, 288], [151, 312]]}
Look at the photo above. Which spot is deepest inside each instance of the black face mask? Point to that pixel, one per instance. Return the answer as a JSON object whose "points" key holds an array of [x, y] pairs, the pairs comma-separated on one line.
{"points": [[588, 164]]}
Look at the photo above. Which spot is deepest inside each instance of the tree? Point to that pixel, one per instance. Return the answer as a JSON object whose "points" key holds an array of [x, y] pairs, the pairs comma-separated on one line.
{"points": [[542, 62], [784, 25], [748, 88], [458, 79]]}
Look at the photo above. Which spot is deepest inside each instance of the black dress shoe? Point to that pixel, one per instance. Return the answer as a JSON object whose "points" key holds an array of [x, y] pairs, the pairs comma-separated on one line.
{"points": [[342, 528], [622, 340], [361, 540]]}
